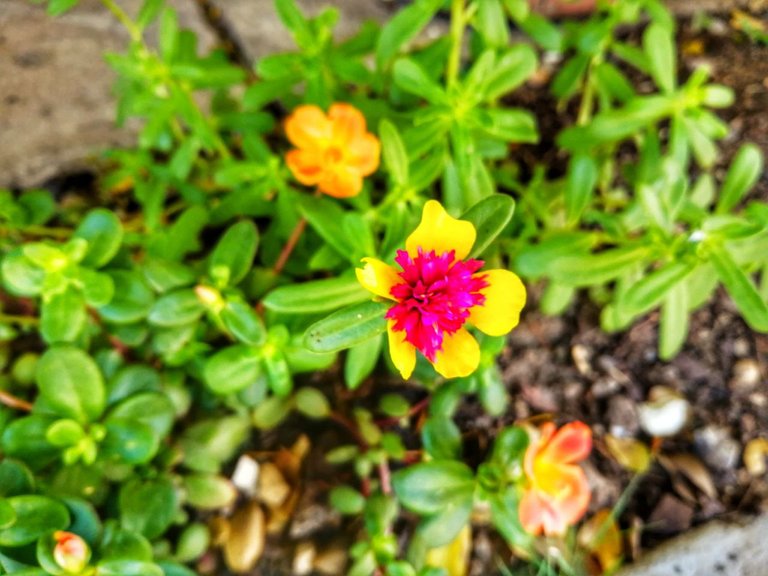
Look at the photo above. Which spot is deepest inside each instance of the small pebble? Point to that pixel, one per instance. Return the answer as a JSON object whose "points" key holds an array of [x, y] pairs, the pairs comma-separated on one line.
{"points": [[605, 387], [716, 447], [746, 375], [622, 415], [581, 357]]}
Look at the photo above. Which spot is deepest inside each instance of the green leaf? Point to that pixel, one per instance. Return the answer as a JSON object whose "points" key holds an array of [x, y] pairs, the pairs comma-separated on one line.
{"points": [[232, 369], [659, 46], [312, 403], [509, 124], [347, 500], [441, 438], [428, 487], [176, 309], [62, 317], [36, 516], [128, 568], [489, 217], [7, 514], [104, 234], [394, 153], [15, 478], [582, 178], [595, 269], [745, 171], [740, 287], [326, 217], [132, 441], [271, 412], [504, 515], [316, 296], [209, 491], [510, 446], [164, 275], [132, 298], [444, 526], [673, 323], [403, 27], [277, 371], [535, 261], [511, 69], [233, 255], [245, 325], [569, 78], [71, 384], [617, 124], [58, 7], [207, 444], [20, 276], [147, 507], [153, 409], [347, 327], [361, 360], [294, 20], [97, 287], [651, 289], [492, 23], [411, 77], [25, 440]]}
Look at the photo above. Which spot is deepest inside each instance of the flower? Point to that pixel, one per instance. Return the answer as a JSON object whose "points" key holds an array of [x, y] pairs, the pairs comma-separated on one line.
{"points": [[70, 552], [437, 292], [333, 152], [558, 492]]}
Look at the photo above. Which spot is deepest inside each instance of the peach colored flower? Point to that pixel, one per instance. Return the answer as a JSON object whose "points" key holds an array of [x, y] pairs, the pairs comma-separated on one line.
{"points": [[333, 152], [437, 292], [558, 493], [71, 552]]}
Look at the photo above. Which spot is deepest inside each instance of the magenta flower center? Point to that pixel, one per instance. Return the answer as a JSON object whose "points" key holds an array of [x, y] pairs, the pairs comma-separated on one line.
{"points": [[435, 297]]}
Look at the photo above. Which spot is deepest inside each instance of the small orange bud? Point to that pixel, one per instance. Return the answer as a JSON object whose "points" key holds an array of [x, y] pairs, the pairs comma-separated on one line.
{"points": [[333, 152], [71, 552]]}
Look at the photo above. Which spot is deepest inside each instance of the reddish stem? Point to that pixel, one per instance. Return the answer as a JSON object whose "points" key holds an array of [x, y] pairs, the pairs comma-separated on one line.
{"points": [[13, 402], [293, 239], [385, 478], [413, 411]]}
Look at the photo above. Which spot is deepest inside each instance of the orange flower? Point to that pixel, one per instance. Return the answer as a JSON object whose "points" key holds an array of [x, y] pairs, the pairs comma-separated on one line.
{"points": [[558, 492], [333, 152]]}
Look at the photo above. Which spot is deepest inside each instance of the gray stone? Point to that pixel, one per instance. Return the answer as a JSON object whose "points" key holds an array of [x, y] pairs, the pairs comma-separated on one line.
{"points": [[732, 549], [57, 109], [256, 23], [717, 447]]}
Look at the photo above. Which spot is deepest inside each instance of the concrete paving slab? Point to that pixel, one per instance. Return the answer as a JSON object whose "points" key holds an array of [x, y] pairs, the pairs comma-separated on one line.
{"points": [[716, 549]]}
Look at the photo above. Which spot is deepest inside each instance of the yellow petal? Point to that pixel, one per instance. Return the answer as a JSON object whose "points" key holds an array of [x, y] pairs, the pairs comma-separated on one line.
{"points": [[454, 556], [459, 356], [441, 232], [504, 299], [377, 277], [403, 353]]}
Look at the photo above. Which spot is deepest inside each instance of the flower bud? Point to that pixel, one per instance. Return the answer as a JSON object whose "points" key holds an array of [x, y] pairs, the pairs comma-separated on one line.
{"points": [[71, 552]]}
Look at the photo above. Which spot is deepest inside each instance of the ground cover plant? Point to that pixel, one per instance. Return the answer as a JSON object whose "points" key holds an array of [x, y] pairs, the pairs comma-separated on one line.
{"points": [[288, 244]]}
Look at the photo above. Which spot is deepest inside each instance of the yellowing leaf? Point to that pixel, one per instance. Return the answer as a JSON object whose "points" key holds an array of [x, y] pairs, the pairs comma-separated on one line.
{"points": [[601, 537], [453, 557], [628, 452]]}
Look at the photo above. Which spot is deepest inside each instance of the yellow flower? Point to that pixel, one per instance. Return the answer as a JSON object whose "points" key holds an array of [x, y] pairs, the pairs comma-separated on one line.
{"points": [[333, 152], [437, 292]]}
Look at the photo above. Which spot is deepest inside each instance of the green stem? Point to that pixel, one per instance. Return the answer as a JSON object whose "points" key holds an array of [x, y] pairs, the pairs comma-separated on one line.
{"points": [[125, 20], [35, 230], [458, 23], [19, 320], [587, 97]]}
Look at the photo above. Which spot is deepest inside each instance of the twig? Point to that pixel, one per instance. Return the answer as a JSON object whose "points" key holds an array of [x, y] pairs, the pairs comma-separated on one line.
{"points": [[13, 402]]}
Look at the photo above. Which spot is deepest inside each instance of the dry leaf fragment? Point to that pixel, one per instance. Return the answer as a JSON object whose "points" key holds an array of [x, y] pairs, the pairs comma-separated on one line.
{"points": [[693, 469], [629, 453], [272, 489], [755, 453], [600, 535], [245, 544], [331, 562], [304, 558], [454, 556]]}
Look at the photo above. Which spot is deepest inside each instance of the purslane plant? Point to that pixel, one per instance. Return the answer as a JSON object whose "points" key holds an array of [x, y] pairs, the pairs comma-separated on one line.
{"points": [[146, 338]]}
